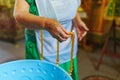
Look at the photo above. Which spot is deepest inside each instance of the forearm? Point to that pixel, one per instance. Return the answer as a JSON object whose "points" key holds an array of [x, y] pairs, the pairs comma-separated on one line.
{"points": [[77, 18], [22, 16], [79, 23], [30, 21]]}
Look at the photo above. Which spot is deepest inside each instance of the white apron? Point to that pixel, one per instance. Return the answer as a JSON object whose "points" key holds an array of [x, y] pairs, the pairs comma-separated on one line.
{"points": [[63, 11]]}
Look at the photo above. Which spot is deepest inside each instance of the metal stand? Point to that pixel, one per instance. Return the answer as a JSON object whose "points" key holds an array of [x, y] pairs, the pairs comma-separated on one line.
{"points": [[105, 51]]}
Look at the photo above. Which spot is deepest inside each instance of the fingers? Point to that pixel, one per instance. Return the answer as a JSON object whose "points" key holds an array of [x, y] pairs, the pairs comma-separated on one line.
{"points": [[80, 33], [57, 30], [83, 26], [60, 39], [59, 33], [81, 30], [81, 36], [65, 31], [62, 34]]}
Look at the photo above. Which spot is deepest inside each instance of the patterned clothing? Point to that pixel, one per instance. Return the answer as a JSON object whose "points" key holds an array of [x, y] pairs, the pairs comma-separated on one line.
{"points": [[32, 49]]}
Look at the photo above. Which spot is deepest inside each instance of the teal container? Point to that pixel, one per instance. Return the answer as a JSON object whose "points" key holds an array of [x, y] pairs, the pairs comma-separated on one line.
{"points": [[32, 70]]}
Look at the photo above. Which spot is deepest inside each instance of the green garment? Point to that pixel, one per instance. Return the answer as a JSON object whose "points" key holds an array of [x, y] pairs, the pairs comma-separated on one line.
{"points": [[66, 67], [31, 47]]}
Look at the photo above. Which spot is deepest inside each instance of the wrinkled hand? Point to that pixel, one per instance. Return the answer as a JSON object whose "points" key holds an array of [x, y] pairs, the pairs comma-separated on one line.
{"points": [[81, 29], [57, 30]]}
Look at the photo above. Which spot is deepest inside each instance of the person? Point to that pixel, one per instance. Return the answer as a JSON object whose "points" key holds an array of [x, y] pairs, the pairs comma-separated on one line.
{"points": [[55, 19]]}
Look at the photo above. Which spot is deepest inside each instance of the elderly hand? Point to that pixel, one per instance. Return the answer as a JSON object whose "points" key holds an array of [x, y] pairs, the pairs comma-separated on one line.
{"points": [[81, 29], [56, 30]]}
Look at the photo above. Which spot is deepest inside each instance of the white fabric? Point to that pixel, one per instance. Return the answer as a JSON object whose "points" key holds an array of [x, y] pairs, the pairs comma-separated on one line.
{"points": [[63, 11]]}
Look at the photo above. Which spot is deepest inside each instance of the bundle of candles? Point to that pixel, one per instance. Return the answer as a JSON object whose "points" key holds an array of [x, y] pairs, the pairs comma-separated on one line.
{"points": [[57, 56]]}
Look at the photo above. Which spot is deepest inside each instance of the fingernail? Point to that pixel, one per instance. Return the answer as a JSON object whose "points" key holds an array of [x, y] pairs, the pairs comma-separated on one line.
{"points": [[80, 39], [84, 34]]}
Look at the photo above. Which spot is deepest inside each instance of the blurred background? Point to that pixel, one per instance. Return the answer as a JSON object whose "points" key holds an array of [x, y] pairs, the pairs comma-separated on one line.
{"points": [[99, 51]]}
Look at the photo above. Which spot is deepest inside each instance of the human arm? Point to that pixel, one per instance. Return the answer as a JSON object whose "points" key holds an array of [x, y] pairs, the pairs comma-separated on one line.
{"points": [[81, 27], [22, 15]]}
